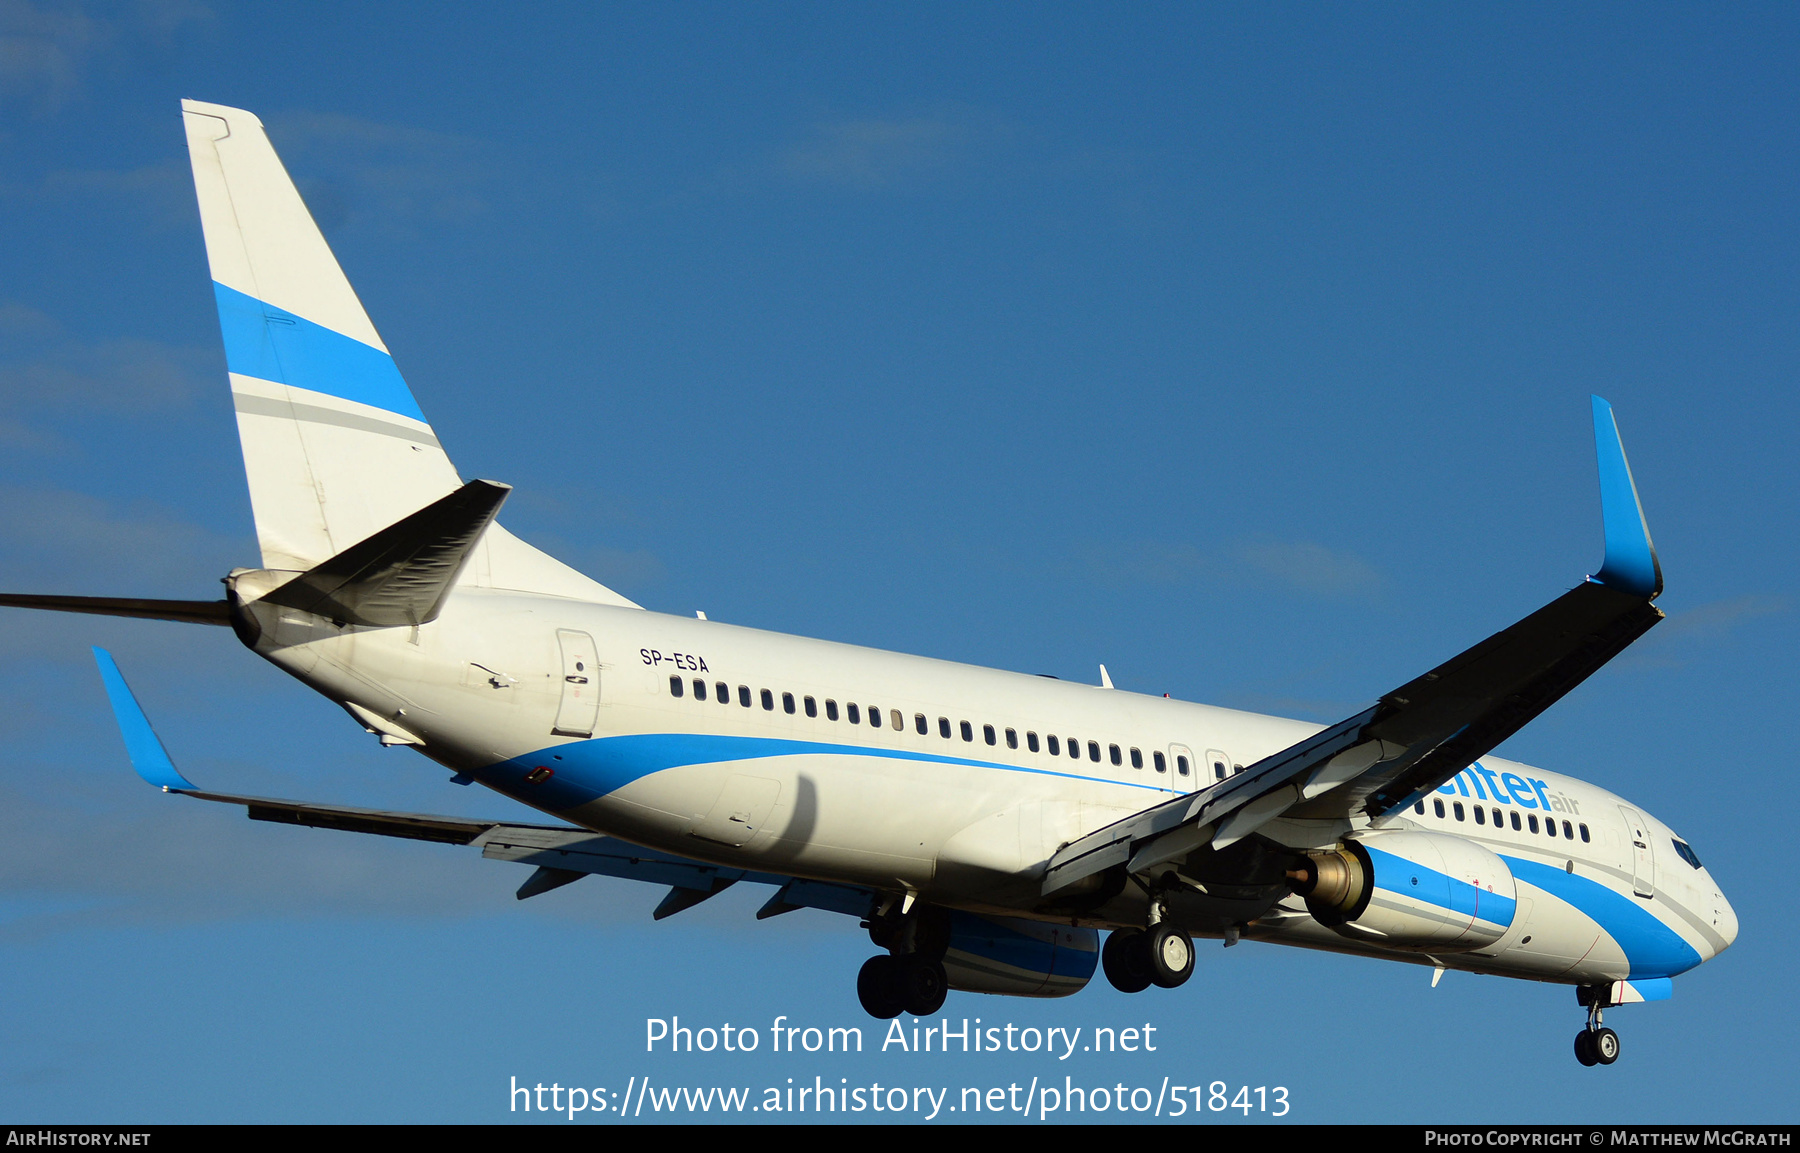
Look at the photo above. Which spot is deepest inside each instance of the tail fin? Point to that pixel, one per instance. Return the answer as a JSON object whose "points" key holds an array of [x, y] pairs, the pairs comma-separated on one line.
{"points": [[335, 447]]}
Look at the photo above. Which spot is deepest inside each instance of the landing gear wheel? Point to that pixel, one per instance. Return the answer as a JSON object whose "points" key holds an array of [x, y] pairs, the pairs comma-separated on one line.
{"points": [[1584, 1048], [1170, 954], [1125, 961], [879, 988], [923, 985], [1604, 1046]]}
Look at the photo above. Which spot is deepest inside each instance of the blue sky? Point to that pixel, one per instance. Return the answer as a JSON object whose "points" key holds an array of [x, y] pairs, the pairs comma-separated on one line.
{"points": [[1245, 349]]}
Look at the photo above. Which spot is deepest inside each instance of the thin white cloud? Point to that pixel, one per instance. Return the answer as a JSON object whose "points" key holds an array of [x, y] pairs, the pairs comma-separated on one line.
{"points": [[347, 166], [1704, 626], [1312, 567], [1304, 566], [872, 153], [47, 49]]}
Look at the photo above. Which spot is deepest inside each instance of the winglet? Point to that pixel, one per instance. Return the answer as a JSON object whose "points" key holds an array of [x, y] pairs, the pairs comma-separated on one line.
{"points": [[1630, 565], [147, 754]]}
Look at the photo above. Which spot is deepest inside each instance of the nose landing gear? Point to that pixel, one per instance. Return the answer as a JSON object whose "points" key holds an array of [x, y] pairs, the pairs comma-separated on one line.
{"points": [[1596, 1044]]}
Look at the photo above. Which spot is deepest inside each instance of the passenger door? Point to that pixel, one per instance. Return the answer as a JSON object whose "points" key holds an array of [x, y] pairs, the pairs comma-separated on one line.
{"points": [[580, 685]]}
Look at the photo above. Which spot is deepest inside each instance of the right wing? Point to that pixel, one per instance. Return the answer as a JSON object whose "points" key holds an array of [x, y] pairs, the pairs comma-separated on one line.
{"points": [[1426, 731]]}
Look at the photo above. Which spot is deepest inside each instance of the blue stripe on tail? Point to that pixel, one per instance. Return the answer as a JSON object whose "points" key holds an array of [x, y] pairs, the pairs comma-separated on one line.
{"points": [[271, 343]]}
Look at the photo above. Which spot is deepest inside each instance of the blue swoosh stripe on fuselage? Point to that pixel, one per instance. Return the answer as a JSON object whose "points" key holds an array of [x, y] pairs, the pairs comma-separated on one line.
{"points": [[1394, 874], [1652, 948], [273, 344], [588, 770]]}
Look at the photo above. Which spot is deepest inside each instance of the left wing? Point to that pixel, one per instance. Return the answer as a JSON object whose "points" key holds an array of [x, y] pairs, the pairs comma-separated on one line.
{"points": [[1426, 731], [561, 853]]}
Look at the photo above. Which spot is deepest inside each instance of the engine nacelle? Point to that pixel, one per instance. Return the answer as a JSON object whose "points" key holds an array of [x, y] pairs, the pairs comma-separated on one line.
{"points": [[1018, 957], [1417, 891]]}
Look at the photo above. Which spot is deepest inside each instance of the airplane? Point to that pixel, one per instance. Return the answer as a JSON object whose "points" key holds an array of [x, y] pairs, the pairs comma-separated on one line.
{"points": [[985, 827]]}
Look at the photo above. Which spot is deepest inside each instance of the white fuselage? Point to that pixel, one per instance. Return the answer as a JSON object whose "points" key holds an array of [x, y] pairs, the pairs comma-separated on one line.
{"points": [[787, 771]]}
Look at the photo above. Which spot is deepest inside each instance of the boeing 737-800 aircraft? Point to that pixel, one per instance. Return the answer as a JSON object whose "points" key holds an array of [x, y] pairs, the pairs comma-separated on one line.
{"points": [[984, 827]]}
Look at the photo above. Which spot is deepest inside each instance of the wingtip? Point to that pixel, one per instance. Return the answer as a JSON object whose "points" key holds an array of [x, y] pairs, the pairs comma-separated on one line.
{"points": [[142, 745], [1630, 565]]}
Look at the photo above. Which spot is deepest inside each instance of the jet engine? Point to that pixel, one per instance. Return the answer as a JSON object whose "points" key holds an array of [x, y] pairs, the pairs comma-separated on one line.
{"points": [[1018, 957], [1407, 890]]}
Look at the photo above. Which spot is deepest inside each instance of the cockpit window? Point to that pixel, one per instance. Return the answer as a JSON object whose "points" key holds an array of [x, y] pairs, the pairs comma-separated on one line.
{"points": [[1687, 853]]}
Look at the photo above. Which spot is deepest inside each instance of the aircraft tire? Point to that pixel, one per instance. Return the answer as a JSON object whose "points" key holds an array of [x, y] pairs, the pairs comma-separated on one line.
{"points": [[1584, 1048], [1605, 1046], [879, 988], [925, 985], [1126, 963], [1169, 954]]}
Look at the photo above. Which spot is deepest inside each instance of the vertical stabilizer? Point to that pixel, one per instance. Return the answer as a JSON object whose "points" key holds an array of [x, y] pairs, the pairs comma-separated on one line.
{"points": [[335, 447]]}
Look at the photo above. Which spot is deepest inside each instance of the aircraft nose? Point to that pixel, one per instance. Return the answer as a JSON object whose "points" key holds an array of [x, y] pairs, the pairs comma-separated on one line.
{"points": [[1727, 922]]}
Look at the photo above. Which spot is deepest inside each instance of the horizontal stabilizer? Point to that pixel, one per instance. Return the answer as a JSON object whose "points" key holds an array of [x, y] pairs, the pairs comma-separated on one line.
{"points": [[188, 612], [401, 575]]}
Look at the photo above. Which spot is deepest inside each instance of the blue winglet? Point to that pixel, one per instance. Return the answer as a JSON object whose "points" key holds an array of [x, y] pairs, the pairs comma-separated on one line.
{"points": [[147, 754], [1630, 565]]}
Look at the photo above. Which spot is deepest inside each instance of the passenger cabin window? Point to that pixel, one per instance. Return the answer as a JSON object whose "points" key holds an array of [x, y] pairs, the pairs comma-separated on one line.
{"points": [[699, 689], [968, 731], [812, 707], [1137, 759], [768, 700], [723, 691], [874, 717], [1550, 825], [1162, 766], [1419, 808], [1515, 820], [1480, 815], [1094, 751], [987, 733], [944, 727], [1568, 830], [1499, 819], [1181, 765], [1584, 834], [674, 685], [1437, 807], [1218, 770], [853, 714], [1012, 738], [1458, 809], [920, 723], [1531, 822], [896, 720], [830, 709], [1031, 741], [787, 703], [744, 695], [1053, 745], [1112, 752], [1075, 750]]}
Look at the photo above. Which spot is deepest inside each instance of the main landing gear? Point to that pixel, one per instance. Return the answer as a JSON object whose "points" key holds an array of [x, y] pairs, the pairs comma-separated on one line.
{"points": [[909, 977], [1161, 955], [1596, 1044]]}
